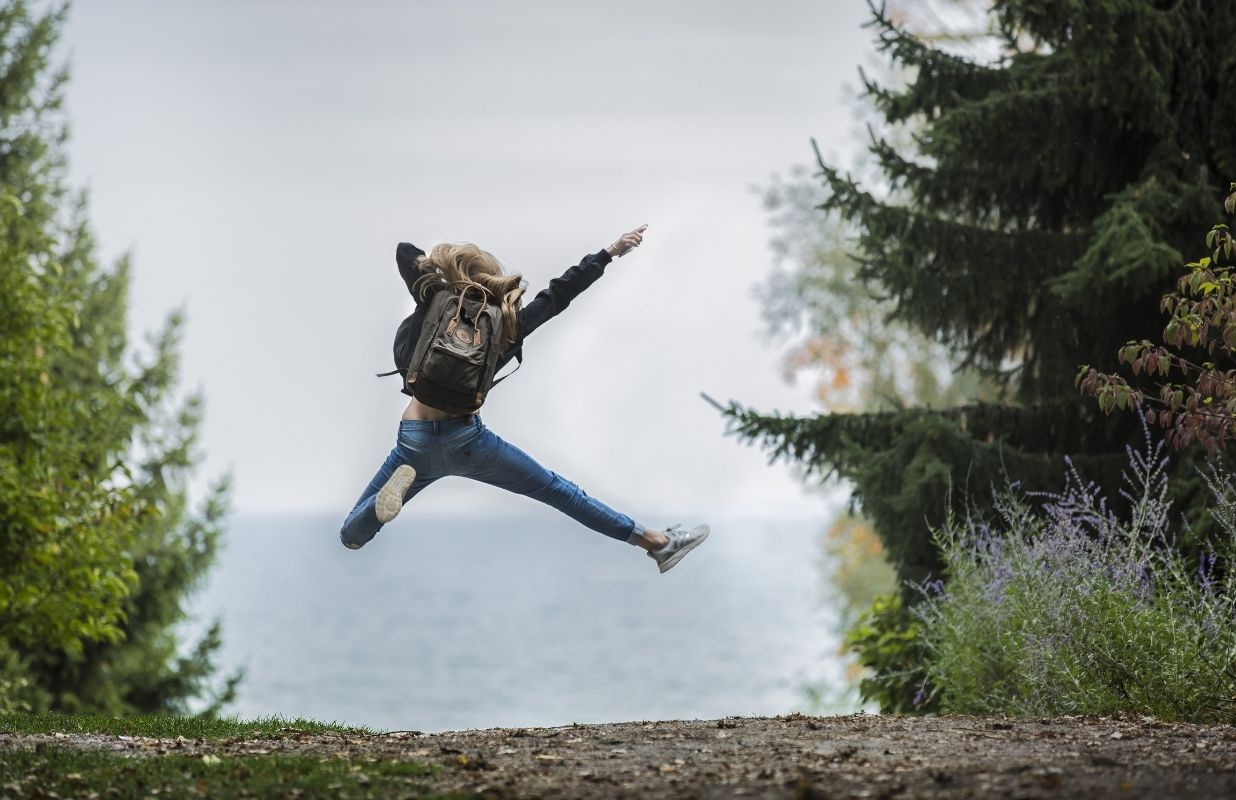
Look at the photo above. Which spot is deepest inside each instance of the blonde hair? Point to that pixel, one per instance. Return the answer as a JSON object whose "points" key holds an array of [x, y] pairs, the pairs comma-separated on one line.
{"points": [[458, 266]]}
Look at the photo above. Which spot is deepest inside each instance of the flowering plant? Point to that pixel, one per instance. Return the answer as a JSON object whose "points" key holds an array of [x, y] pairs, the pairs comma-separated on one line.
{"points": [[1064, 605]]}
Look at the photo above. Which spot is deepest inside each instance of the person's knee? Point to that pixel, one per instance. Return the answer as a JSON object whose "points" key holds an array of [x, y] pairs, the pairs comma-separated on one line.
{"points": [[557, 486], [348, 542], [560, 493]]}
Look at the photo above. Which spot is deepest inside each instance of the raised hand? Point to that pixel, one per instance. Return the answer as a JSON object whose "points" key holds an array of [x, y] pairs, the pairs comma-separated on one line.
{"points": [[627, 242]]}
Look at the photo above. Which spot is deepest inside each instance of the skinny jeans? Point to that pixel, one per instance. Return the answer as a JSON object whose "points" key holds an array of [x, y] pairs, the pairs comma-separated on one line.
{"points": [[464, 446]]}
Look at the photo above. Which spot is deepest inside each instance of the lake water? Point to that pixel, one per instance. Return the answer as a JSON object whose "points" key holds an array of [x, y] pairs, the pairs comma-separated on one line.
{"points": [[452, 623]]}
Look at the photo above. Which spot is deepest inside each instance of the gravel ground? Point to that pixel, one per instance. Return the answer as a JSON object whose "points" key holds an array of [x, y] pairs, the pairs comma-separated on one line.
{"points": [[783, 757]]}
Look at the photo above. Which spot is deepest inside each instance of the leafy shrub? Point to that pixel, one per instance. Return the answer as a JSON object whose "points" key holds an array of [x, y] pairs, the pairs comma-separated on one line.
{"points": [[13, 683], [888, 640], [1196, 399], [1071, 608]]}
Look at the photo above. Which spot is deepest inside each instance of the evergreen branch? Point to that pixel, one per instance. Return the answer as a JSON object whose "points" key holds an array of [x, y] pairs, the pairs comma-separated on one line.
{"points": [[911, 468], [899, 170], [908, 49], [943, 79], [937, 272]]}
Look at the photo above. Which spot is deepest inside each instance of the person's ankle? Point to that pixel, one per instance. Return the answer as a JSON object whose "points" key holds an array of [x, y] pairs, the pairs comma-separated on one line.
{"points": [[654, 540]]}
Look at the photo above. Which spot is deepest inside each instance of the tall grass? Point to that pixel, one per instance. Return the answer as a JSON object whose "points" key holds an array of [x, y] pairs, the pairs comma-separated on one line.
{"points": [[1064, 606]]}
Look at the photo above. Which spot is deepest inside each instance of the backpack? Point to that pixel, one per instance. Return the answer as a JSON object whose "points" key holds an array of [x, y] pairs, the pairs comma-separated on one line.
{"points": [[452, 367]]}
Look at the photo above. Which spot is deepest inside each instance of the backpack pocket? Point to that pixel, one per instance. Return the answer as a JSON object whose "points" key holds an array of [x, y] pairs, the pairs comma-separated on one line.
{"points": [[455, 364], [451, 376]]}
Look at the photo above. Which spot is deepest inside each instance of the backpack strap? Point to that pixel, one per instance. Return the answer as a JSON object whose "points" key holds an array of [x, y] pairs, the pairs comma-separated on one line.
{"points": [[392, 372], [450, 327], [519, 359]]}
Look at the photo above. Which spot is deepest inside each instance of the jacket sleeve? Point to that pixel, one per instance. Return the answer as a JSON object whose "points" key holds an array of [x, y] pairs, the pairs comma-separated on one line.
{"points": [[552, 300], [405, 258]]}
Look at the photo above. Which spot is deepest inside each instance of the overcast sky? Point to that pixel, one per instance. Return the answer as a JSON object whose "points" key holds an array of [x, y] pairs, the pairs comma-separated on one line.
{"points": [[261, 160]]}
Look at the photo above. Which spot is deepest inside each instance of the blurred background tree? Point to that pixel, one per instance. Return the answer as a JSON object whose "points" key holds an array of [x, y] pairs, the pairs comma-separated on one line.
{"points": [[1031, 181], [841, 334], [98, 546]]}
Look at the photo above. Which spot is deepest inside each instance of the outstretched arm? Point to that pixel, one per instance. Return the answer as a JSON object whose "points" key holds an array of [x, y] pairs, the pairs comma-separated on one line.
{"points": [[552, 300]]}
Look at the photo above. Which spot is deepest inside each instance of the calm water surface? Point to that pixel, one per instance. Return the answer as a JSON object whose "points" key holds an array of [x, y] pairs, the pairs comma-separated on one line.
{"points": [[451, 623]]}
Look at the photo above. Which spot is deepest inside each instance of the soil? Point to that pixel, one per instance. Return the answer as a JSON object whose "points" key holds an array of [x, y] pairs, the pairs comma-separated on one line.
{"points": [[783, 757]]}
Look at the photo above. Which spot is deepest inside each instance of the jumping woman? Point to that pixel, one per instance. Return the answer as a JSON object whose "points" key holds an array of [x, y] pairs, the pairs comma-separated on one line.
{"points": [[434, 442]]}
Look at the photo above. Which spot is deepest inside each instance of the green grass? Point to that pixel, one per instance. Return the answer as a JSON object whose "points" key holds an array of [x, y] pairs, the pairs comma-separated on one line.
{"points": [[166, 726], [51, 772]]}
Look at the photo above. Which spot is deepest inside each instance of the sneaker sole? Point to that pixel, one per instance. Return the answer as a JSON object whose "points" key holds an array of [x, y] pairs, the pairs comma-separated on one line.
{"points": [[390, 497], [674, 559]]}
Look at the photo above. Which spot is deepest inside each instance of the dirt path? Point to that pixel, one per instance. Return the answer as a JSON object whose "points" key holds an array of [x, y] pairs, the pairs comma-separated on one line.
{"points": [[784, 757]]}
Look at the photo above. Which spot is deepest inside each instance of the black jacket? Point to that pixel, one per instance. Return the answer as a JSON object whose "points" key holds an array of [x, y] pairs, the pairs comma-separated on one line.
{"points": [[548, 303]]}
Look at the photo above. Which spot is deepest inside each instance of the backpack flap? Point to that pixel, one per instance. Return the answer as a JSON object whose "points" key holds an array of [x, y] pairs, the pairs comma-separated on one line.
{"points": [[452, 367]]}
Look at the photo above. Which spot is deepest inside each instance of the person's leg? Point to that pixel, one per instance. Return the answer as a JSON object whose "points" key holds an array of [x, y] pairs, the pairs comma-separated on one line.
{"points": [[490, 459], [362, 523]]}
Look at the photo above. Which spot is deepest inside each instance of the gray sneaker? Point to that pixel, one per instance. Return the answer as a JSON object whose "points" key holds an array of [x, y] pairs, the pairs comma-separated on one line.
{"points": [[390, 497], [680, 543]]}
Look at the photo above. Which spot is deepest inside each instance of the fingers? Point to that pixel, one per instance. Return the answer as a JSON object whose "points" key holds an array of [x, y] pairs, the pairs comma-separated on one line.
{"points": [[629, 241]]}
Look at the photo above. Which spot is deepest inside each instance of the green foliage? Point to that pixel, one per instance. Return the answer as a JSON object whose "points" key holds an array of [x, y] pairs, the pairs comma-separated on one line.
{"points": [[1195, 402], [1072, 608], [97, 547], [859, 570], [915, 468], [13, 684], [1033, 222], [888, 641]]}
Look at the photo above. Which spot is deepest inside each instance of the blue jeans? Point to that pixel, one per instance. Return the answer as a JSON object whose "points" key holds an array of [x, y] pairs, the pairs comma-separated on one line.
{"points": [[464, 446]]}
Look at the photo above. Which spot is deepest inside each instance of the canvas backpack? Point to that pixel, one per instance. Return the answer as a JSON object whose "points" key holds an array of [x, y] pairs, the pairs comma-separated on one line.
{"points": [[452, 366]]}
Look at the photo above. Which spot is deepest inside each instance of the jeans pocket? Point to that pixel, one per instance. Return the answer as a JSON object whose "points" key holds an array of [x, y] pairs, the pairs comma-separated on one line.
{"points": [[416, 440], [485, 450]]}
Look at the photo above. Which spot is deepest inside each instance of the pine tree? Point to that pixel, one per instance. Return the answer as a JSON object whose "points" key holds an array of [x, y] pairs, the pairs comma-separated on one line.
{"points": [[97, 547], [1046, 206]]}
